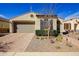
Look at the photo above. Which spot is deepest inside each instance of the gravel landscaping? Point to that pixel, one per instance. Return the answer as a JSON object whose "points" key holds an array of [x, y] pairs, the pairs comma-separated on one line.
{"points": [[45, 45]]}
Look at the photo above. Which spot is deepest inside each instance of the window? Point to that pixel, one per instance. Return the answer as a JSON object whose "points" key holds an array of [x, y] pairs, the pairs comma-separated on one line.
{"points": [[67, 26], [44, 24]]}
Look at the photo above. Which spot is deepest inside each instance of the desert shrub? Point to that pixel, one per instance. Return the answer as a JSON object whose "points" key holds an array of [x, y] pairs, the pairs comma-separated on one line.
{"points": [[58, 47], [59, 38]]}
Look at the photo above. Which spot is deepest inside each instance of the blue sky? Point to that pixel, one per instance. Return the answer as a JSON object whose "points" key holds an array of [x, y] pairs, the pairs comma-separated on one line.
{"points": [[63, 10]]}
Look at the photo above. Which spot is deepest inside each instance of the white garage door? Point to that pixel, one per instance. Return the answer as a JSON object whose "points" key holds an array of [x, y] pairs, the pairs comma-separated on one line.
{"points": [[25, 28]]}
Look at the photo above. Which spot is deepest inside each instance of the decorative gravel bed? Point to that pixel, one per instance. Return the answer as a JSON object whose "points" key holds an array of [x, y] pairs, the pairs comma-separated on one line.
{"points": [[45, 45]]}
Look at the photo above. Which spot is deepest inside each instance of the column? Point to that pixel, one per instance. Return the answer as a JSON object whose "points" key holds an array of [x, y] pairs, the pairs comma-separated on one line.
{"points": [[62, 27], [37, 24], [72, 26], [11, 27], [54, 24]]}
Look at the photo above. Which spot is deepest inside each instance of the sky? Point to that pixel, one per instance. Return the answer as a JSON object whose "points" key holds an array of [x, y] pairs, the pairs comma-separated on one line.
{"points": [[63, 10]]}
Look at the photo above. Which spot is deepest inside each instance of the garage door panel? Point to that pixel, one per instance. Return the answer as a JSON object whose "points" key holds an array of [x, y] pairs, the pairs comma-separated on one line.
{"points": [[25, 28]]}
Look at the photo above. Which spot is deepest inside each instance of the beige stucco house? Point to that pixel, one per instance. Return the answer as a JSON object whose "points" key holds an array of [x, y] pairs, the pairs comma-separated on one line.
{"points": [[29, 22]]}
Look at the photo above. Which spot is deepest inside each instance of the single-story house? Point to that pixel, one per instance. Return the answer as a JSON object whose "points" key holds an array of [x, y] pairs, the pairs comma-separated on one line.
{"points": [[29, 22], [4, 25]]}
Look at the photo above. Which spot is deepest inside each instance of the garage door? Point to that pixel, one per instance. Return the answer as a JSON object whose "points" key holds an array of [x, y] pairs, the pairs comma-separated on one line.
{"points": [[25, 28]]}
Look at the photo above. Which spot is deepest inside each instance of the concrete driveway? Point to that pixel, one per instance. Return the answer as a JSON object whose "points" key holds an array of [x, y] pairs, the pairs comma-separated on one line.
{"points": [[19, 41]]}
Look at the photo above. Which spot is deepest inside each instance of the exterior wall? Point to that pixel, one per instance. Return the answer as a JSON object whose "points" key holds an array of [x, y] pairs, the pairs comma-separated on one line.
{"points": [[62, 27], [72, 26], [54, 24], [11, 27], [37, 24], [77, 28]]}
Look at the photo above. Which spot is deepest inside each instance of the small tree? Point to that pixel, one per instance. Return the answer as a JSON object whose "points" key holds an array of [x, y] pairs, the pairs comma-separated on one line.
{"points": [[49, 31]]}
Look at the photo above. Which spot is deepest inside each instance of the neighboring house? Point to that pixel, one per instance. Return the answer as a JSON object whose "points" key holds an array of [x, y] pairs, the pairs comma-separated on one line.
{"points": [[4, 25], [71, 25], [29, 22]]}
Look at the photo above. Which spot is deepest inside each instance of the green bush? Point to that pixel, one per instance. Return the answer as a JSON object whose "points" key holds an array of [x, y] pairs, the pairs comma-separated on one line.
{"points": [[41, 32], [59, 38], [54, 33], [45, 33]]}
